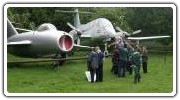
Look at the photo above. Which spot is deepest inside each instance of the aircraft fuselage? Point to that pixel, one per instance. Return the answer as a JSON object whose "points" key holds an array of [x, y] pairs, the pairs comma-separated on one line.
{"points": [[42, 43]]}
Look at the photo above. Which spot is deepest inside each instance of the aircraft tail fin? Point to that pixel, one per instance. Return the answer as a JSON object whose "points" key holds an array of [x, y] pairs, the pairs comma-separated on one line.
{"points": [[10, 29], [76, 18], [76, 15]]}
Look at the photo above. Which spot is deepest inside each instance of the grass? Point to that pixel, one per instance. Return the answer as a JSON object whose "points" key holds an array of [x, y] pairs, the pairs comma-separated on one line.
{"points": [[70, 78]]}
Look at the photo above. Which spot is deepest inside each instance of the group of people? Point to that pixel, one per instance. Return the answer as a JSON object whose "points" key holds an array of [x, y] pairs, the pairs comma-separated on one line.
{"points": [[128, 58], [95, 64], [125, 57]]}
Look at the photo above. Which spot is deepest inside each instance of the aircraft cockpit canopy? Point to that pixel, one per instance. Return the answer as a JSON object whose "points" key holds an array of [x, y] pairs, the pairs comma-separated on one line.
{"points": [[46, 26]]}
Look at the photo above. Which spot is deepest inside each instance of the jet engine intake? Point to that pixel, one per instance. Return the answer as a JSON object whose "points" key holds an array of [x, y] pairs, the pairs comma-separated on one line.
{"points": [[66, 43]]}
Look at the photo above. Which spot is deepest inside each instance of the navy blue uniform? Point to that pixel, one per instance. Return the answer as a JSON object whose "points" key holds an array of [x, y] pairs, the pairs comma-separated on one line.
{"points": [[93, 64], [100, 67]]}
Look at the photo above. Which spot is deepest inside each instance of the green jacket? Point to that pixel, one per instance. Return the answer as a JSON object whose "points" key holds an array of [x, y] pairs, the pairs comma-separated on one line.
{"points": [[123, 54], [136, 59], [130, 53]]}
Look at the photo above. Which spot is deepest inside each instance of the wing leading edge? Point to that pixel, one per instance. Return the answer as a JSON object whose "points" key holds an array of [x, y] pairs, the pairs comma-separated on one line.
{"points": [[19, 43], [81, 46], [146, 38]]}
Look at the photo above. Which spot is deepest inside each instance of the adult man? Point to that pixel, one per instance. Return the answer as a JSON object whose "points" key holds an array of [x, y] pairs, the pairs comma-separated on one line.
{"points": [[115, 60], [93, 63], [129, 59], [100, 64], [123, 54], [136, 63], [144, 59]]}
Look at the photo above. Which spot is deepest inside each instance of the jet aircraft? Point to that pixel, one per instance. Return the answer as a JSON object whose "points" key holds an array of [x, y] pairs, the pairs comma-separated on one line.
{"points": [[48, 40], [100, 28], [45, 40]]}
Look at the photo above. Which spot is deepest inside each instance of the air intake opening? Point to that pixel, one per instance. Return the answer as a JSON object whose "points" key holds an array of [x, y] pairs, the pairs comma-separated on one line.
{"points": [[65, 43]]}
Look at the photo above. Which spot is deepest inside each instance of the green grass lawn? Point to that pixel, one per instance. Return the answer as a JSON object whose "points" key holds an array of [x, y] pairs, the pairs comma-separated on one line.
{"points": [[70, 78]]}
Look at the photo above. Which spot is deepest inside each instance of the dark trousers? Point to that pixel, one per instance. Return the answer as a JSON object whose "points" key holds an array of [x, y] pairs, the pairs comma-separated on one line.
{"points": [[114, 69], [92, 72], [100, 73], [130, 70], [137, 78], [137, 75], [144, 67], [88, 66], [121, 68], [129, 67]]}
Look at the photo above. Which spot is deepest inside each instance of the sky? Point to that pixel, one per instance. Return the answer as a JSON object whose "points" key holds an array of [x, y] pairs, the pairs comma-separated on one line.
{"points": [[3, 2]]}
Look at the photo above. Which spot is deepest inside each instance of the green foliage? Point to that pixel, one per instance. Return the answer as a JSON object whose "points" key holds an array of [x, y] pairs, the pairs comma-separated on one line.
{"points": [[70, 78], [152, 21]]}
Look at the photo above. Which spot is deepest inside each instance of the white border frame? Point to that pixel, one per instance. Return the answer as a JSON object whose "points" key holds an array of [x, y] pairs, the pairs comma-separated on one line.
{"points": [[173, 93]]}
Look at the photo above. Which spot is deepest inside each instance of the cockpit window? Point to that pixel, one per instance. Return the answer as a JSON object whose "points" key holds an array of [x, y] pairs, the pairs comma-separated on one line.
{"points": [[46, 26]]}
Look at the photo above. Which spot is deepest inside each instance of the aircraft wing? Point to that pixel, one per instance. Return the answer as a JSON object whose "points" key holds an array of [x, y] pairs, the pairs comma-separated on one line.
{"points": [[26, 30], [81, 46], [146, 38], [86, 36], [19, 43]]}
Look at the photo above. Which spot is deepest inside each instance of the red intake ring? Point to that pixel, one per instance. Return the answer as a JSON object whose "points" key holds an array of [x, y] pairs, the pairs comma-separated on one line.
{"points": [[66, 43]]}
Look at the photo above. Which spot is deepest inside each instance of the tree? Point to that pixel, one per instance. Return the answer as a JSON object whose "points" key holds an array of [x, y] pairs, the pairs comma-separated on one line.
{"points": [[152, 21]]}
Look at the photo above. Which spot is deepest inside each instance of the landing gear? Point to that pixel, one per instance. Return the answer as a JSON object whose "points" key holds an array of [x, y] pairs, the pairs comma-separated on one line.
{"points": [[54, 65], [106, 53], [59, 62], [105, 50]]}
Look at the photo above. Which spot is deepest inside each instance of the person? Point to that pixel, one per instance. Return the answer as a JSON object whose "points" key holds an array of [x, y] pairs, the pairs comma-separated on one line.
{"points": [[115, 60], [129, 58], [93, 64], [144, 59], [136, 63], [99, 75], [122, 61]]}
